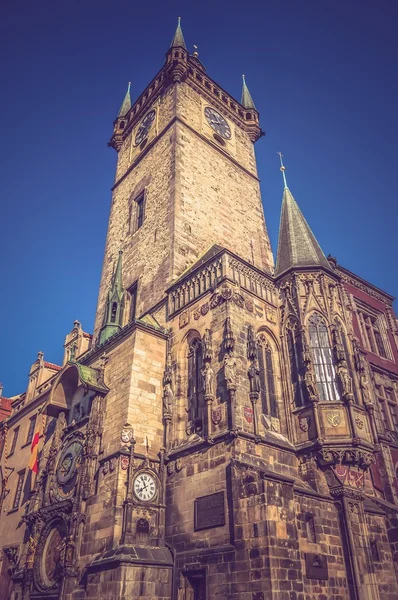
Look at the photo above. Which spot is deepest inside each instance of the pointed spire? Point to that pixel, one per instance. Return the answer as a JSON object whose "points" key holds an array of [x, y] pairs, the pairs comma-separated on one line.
{"points": [[126, 104], [246, 99], [178, 39], [113, 317], [297, 245]]}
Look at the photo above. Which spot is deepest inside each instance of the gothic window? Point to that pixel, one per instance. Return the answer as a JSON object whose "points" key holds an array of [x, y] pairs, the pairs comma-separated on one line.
{"points": [[31, 430], [113, 312], [18, 490], [325, 376], [14, 441], [310, 528], [373, 331], [294, 346], [267, 378], [195, 383]]}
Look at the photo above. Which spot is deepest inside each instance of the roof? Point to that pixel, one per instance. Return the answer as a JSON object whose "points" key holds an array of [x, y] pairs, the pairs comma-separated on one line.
{"points": [[52, 366], [178, 39], [5, 403], [207, 255], [297, 245], [246, 98], [87, 335]]}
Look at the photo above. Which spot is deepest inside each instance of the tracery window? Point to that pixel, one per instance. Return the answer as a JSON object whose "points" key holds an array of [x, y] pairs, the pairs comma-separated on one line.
{"points": [[195, 380], [373, 330], [294, 347], [269, 403], [322, 358], [388, 408]]}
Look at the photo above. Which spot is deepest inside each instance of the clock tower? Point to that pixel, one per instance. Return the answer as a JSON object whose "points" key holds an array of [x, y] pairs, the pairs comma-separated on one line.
{"points": [[186, 179]]}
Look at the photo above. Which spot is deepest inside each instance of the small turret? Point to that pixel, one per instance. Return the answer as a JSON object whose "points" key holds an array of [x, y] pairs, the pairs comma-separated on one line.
{"points": [[113, 317], [177, 56], [120, 122]]}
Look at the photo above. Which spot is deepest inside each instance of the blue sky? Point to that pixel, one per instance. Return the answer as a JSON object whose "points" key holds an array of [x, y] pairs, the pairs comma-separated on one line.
{"points": [[322, 74]]}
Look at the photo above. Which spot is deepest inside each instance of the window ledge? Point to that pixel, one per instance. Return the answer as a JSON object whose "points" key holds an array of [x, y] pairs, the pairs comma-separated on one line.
{"points": [[26, 444], [13, 510]]}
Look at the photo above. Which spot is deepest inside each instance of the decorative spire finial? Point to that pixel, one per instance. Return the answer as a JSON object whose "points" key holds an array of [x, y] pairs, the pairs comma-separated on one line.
{"points": [[283, 169], [195, 51], [178, 39], [246, 99]]}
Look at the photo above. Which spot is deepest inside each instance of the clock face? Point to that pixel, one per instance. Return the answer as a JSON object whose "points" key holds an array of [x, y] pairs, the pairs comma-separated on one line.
{"points": [[218, 123], [144, 127], [67, 470], [145, 487], [50, 562]]}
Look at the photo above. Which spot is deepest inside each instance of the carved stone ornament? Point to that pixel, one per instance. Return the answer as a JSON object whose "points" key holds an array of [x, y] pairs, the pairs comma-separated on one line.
{"points": [[249, 305], [127, 435], [266, 421], [360, 422], [216, 415], [178, 464], [251, 344], [229, 339], [105, 467], [207, 346], [184, 319], [345, 380], [196, 314], [112, 464], [310, 383], [333, 418], [230, 370], [238, 299], [124, 462], [248, 414], [168, 398], [254, 377], [204, 309], [208, 380], [275, 425], [304, 423], [12, 553], [171, 467]]}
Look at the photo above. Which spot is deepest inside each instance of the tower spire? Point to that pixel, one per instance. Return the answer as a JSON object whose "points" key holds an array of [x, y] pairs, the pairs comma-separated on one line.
{"points": [[246, 99], [113, 317], [126, 104], [283, 169], [178, 39], [297, 245]]}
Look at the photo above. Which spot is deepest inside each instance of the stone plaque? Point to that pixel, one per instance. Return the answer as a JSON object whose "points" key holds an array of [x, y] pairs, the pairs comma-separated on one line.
{"points": [[209, 511], [316, 566]]}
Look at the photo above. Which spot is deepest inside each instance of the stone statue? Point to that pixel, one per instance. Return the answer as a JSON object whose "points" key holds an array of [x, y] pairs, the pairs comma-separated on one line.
{"points": [[345, 379], [230, 369], [254, 377], [207, 346], [359, 360], [208, 379], [310, 384], [168, 398], [367, 399]]}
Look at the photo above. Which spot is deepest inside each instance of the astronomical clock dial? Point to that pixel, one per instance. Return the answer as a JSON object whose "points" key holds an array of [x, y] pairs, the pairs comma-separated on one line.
{"points": [[50, 559], [144, 127], [67, 469], [218, 123], [145, 487]]}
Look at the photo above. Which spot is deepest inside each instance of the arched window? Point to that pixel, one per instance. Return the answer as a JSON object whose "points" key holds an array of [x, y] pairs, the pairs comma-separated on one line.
{"points": [[322, 358], [195, 380], [269, 403], [294, 348]]}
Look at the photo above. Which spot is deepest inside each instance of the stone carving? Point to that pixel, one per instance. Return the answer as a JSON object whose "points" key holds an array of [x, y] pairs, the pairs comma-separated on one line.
{"points": [[251, 344], [216, 415], [229, 339], [60, 426], [338, 347], [230, 370], [168, 398], [184, 319], [208, 380], [124, 462], [207, 346], [345, 380], [333, 418], [254, 377], [365, 385], [360, 422], [310, 383], [127, 434], [304, 423], [359, 359]]}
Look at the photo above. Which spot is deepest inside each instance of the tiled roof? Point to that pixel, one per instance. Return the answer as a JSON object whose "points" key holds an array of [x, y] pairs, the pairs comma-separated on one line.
{"points": [[87, 335], [52, 366], [5, 403]]}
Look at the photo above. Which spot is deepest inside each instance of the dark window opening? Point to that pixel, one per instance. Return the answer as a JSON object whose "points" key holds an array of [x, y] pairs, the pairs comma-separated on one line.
{"points": [[14, 441], [18, 490], [137, 213], [310, 528], [133, 300], [195, 380], [113, 312], [32, 423], [193, 586]]}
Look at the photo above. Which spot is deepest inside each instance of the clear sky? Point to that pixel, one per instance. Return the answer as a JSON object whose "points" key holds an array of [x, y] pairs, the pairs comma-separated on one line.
{"points": [[322, 73]]}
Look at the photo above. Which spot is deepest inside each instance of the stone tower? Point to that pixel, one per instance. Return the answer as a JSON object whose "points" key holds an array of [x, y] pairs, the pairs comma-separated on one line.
{"points": [[229, 431]]}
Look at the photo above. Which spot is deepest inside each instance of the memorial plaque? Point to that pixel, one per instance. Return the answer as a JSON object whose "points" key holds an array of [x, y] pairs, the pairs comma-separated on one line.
{"points": [[209, 511], [316, 566]]}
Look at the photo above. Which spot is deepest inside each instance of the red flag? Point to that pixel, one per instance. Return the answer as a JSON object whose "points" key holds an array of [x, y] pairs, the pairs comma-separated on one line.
{"points": [[34, 451]]}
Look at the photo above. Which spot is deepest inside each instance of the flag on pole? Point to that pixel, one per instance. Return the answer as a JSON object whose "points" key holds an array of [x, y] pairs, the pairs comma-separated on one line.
{"points": [[34, 449]]}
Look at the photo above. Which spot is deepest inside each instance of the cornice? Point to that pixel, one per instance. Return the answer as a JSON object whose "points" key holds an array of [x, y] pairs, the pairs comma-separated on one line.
{"points": [[363, 285]]}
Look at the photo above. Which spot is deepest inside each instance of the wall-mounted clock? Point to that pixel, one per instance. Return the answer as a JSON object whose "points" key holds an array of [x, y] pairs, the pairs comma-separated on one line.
{"points": [[67, 470], [218, 123], [145, 486], [144, 128]]}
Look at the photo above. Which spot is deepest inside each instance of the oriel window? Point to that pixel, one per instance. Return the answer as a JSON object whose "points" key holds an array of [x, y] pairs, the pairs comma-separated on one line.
{"points": [[325, 375]]}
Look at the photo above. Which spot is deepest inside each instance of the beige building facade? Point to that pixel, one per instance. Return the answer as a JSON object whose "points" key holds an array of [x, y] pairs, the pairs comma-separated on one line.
{"points": [[230, 430]]}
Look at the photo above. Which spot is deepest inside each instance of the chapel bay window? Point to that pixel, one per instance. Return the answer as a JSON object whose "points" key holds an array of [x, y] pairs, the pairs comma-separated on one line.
{"points": [[195, 380], [267, 379], [322, 358]]}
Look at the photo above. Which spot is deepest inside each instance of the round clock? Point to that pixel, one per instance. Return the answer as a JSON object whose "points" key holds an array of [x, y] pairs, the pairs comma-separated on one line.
{"points": [[218, 123], [50, 569], [67, 471], [145, 486], [144, 127]]}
